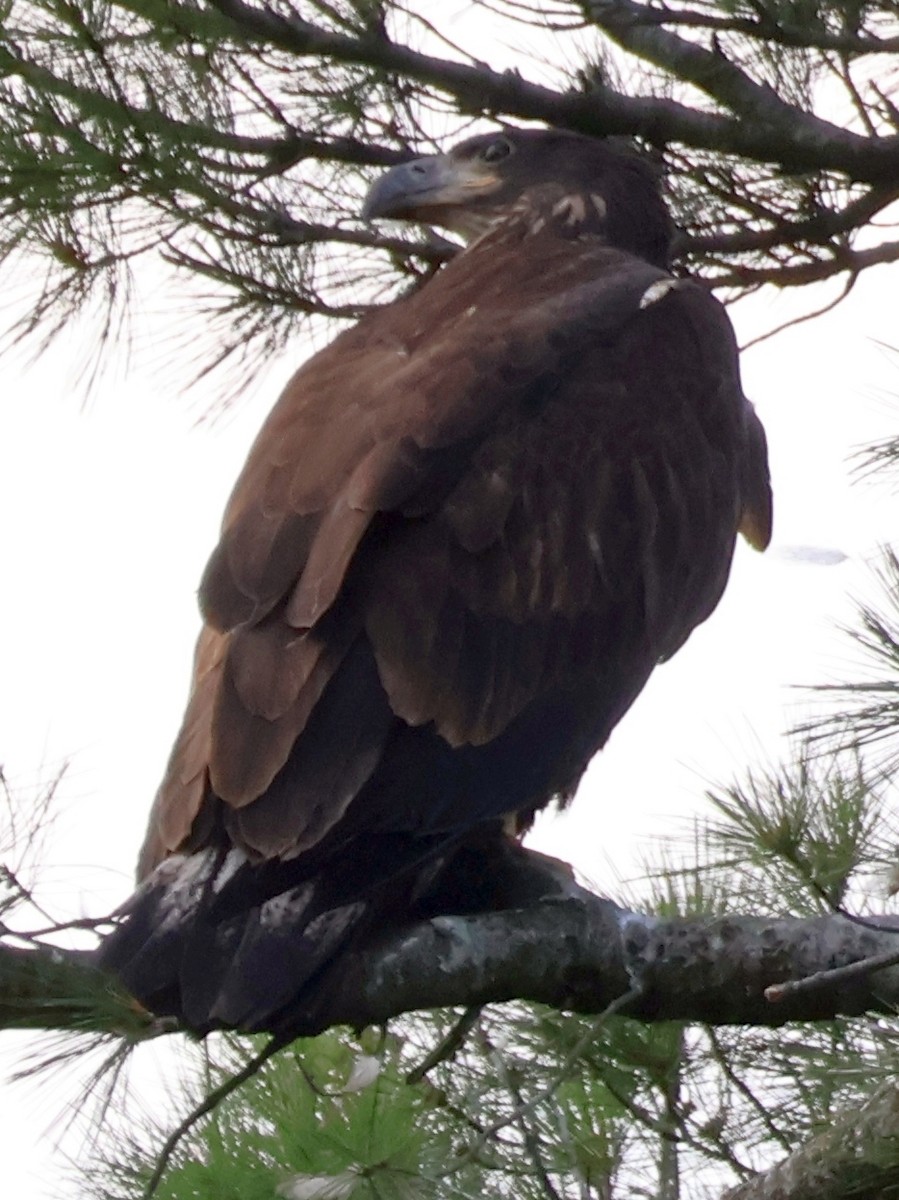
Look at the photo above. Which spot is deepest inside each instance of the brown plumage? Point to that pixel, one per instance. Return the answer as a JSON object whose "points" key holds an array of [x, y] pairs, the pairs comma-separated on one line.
{"points": [[467, 532]]}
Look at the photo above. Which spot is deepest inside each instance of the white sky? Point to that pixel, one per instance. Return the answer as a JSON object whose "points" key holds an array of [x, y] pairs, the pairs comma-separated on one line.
{"points": [[109, 514]]}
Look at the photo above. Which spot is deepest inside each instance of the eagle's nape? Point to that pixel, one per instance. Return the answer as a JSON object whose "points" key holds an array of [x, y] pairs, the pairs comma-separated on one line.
{"points": [[467, 533]]}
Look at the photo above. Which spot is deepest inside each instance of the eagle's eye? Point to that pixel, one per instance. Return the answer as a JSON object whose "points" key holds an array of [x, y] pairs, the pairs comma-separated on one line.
{"points": [[493, 152]]}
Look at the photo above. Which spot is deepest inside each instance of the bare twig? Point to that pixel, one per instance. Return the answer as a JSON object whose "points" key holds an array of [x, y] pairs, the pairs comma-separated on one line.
{"points": [[809, 316], [836, 975], [447, 1046], [725, 1065], [531, 1141]]}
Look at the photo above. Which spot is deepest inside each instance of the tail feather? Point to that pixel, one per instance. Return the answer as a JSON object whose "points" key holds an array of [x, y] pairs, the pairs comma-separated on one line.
{"points": [[287, 956], [240, 972], [145, 948], [220, 942]]}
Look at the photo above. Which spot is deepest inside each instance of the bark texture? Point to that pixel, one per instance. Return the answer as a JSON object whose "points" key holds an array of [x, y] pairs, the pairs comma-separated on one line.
{"points": [[857, 1157]]}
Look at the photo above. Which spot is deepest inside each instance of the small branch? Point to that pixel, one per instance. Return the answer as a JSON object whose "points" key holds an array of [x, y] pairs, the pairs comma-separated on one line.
{"points": [[676, 1131], [842, 259], [447, 1046], [42, 987], [844, 291], [618, 1004], [822, 979], [723, 1061], [767, 29], [530, 1138], [817, 230]]}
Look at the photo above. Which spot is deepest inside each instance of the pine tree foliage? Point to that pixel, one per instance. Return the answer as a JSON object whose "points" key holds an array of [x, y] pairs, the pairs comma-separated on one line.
{"points": [[867, 716], [228, 143], [47, 979]]}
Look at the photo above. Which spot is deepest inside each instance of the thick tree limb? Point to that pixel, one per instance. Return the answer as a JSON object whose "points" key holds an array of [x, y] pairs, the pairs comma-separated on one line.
{"points": [[797, 132], [857, 1156], [573, 951], [580, 952]]}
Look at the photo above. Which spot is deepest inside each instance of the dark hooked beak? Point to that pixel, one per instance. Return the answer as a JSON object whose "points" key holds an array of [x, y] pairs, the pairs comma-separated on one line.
{"points": [[422, 183]]}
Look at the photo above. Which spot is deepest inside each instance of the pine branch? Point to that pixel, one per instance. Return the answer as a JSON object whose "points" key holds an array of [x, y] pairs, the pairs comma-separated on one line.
{"points": [[858, 1157], [44, 987], [580, 952], [764, 128], [771, 27], [819, 229], [839, 260], [797, 132], [123, 157], [573, 951]]}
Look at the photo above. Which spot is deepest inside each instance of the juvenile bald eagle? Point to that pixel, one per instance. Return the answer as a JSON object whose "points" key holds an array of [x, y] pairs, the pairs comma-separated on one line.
{"points": [[465, 536]]}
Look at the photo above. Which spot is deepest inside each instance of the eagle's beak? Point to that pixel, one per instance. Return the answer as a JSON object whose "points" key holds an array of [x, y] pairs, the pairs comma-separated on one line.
{"points": [[414, 189], [410, 186]]}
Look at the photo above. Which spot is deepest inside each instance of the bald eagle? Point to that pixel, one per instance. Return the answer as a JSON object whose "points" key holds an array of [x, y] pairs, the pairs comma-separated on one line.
{"points": [[466, 534]]}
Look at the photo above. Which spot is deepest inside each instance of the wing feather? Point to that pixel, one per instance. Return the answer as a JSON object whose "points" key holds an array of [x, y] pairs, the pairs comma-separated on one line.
{"points": [[180, 797], [248, 748], [756, 516]]}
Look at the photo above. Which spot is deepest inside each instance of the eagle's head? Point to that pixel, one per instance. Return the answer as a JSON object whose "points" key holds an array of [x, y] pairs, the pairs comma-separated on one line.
{"points": [[545, 178]]}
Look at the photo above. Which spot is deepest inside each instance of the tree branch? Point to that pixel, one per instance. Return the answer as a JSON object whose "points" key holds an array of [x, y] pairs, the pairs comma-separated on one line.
{"points": [[857, 1156], [286, 150], [166, 156], [574, 951], [766, 130], [767, 28], [800, 135], [798, 274], [817, 230], [44, 987], [579, 952]]}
